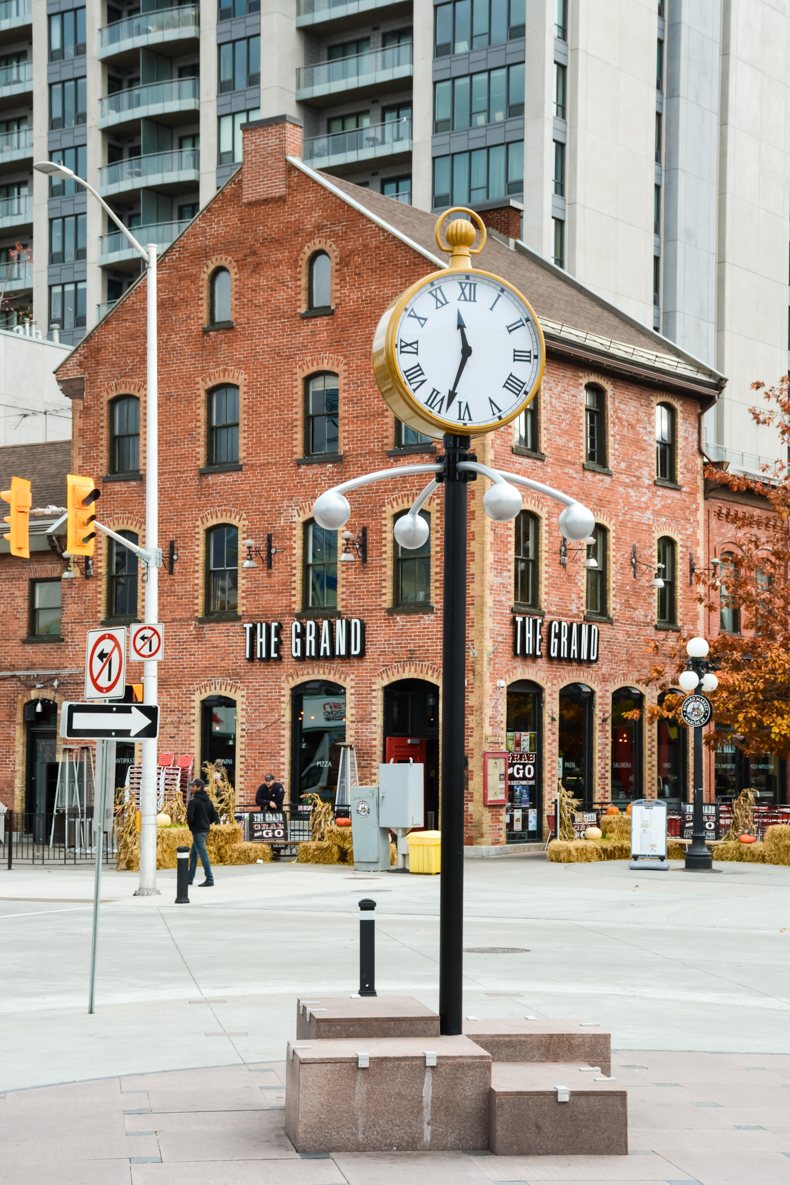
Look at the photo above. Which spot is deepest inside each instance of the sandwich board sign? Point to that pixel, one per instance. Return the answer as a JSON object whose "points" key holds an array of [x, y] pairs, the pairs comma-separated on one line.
{"points": [[649, 834]]}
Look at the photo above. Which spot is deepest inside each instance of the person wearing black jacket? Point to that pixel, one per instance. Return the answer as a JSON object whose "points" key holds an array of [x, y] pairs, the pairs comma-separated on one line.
{"points": [[201, 813], [270, 794]]}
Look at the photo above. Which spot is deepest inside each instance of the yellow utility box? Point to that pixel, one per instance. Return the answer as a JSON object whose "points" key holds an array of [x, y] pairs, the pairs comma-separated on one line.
{"points": [[425, 851]]}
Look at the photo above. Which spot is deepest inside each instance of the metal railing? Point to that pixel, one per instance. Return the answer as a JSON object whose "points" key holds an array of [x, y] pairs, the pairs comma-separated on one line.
{"points": [[153, 94], [16, 209], [338, 7], [752, 463], [15, 11], [18, 73], [163, 20], [16, 274], [377, 139], [64, 838], [153, 164], [161, 233], [19, 141], [359, 69]]}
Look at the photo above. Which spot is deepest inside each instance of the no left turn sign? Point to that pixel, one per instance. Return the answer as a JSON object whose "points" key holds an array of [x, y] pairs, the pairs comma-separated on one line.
{"points": [[105, 664], [146, 642]]}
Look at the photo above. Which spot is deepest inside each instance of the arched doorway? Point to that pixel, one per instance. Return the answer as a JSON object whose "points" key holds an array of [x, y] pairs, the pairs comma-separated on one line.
{"points": [[671, 758], [524, 757], [41, 767], [626, 745], [218, 733], [577, 702], [318, 725], [411, 733]]}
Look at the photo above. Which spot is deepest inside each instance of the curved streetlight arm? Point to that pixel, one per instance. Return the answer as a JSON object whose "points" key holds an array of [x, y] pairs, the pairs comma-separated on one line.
{"points": [[51, 166], [381, 475], [423, 497], [540, 488]]}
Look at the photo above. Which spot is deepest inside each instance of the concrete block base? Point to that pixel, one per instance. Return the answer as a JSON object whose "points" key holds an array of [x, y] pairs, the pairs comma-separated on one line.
{"points": [[366, 1016], [529, 1118], [521, 1040], [387, 1094]]}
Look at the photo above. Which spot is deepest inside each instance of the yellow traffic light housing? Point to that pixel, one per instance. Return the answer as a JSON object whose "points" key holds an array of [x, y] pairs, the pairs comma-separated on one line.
{"points": [[19, 501], [80, 496]]}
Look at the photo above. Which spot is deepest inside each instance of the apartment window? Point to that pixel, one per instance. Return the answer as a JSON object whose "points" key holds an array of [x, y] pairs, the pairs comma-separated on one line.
{"points": [[394, 37], [322, 398], [666, 600], [67, 104], [319, 282], [559, 168], [481, 175], [125, 434], [656, 283], [229, 140], [596, 601], [560, 90], [67, 305], [231, 8], [239, 64], [464, 25], [75, 159], [406, 437], [526, 561], [595, 451], [351, 122], [44, 609], [528, 427], [656, 210], [219, 297], [67, 34], [412, 571], [222, 445], [67, 238], [222, 570], [319, 567], [348, 49], [474, 100], [398, 188], [122, 578], [561, 20], [558, 257], [659, 65], [666, 466], [659, 136], [729, 611]]}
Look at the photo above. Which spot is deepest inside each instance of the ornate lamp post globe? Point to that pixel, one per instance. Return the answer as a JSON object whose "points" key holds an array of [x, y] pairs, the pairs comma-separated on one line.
{"points": [[697, 648], [688, 680], [576, 522], [502, 502], [411, 531], [331, 510]]}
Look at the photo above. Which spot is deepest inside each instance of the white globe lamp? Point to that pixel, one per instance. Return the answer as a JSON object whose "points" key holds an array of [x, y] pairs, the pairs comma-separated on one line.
{"points": [[331, 510], [576, 522], [709, 682], [502, 502], [688, 680], [411, 531], [697, 648]]}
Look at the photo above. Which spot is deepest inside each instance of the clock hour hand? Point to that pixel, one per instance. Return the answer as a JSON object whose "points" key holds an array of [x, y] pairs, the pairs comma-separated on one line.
{"points": [[466, 353]]}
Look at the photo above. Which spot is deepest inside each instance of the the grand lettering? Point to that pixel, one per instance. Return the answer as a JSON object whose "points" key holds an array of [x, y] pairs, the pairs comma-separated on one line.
{"points": [[562, 641], [343, 637]]}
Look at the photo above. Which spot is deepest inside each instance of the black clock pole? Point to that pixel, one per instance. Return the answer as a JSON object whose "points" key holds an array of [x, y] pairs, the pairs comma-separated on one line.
{"points": [[451, 908]]}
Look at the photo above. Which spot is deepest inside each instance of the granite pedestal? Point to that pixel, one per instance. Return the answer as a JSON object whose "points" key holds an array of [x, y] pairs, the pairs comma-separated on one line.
{"points": [[521, 1039], [364, 1016]]}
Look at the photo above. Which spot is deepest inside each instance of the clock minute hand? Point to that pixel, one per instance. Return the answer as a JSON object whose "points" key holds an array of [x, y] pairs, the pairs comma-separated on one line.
{"points": [[466, 353]]}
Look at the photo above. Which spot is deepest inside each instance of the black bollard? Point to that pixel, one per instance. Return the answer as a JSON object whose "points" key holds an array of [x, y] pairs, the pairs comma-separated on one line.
{"points": [[182, 875], [367, 948]]}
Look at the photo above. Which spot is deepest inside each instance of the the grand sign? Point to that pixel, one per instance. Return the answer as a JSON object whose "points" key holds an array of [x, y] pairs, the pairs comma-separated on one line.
{"points": [[342, 637], [564, 641]]}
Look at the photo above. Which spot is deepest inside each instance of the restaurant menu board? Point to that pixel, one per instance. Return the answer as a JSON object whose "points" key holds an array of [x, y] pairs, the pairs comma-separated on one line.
{"points": [[521, 813], [649, 828], [269, 827], [710, 819]]}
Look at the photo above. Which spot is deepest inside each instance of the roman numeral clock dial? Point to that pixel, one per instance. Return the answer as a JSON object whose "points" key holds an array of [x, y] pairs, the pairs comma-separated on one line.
{"points": [[460, 351]]}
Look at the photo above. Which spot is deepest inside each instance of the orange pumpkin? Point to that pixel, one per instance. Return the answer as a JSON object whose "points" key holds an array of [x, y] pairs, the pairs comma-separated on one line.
{"points": [[746, 838], [628, 809], [612, 810], [343, 822]]}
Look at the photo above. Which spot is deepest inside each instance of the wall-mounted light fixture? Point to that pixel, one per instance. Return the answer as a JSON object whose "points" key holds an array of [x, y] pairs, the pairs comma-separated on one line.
{"points": [[75, 564], [265, 553], [565, 551], [172, 557], [656, 569], [354, 543], [713, 570]]}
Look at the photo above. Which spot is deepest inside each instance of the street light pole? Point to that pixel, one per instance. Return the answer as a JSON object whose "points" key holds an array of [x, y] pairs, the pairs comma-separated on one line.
{"points": [[153, 556], [698, 675]]}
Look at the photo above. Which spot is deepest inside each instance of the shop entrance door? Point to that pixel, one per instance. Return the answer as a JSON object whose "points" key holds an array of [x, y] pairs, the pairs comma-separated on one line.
{"points": [[41, 774], [524, 808], [411, 733]]}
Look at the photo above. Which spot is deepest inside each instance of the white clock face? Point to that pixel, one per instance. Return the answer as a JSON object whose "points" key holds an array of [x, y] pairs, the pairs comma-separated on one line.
{"points": [[469, 351]]}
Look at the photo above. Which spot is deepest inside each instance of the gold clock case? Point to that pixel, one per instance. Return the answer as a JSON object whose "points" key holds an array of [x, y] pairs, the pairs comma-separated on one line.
{"points": [[393, 386]]}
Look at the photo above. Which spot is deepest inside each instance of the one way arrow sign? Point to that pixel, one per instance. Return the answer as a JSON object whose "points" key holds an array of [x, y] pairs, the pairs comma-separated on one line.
{"points": [[108, 722]]}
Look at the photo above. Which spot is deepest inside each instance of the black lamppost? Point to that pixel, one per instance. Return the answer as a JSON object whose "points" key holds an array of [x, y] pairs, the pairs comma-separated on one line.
{"points": [[696, 711]]}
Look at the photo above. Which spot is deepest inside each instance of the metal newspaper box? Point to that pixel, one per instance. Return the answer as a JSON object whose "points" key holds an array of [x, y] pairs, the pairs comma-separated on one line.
{"points": [[649, 834]]}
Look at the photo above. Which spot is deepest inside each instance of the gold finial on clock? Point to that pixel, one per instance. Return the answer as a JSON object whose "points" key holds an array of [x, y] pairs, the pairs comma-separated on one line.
{"points": [[459, 235]]}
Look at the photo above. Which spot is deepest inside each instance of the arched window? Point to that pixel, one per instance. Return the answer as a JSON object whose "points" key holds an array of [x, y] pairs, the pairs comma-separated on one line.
{"points": [[626, 744], [412, 571], [222, 570], [319, 567], [597, 583], [319, 283], [576, 703], [666, 443], [125, 434], [595, 450], [222, 422], [318, 729], [730, 613], [322, 402], [671, 762], [122, 578], [666, 599], [218, 733], [526, 561], [524, 810], [219, 297]]}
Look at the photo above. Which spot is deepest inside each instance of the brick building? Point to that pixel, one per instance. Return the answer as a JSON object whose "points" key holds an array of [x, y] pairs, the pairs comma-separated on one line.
{"points": [[277, 650]]}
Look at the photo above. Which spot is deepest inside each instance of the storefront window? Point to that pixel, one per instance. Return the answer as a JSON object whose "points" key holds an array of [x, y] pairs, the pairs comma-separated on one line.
{"points": [[671, 741], [626, 744], [525, 799], [765, 773], [218, 734], [575, 741], [319, 725]]}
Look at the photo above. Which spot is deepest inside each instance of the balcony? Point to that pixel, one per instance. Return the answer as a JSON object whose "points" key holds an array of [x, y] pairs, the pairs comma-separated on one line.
{"points": [[16, 145], [344, 13], [373, 71], [163, 170], [115, 247], [390, 140], [150, 28], [178, 98], [16, 79], [16, 276], [103, 309], [16, 211], [15, 14]]}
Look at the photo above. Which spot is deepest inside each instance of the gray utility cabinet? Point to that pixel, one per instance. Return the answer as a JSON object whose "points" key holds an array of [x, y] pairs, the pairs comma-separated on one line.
{"points": [[371, 841]]}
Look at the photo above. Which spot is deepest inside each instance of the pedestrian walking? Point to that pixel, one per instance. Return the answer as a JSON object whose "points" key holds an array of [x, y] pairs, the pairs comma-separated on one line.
{"points": [[201, 813]]}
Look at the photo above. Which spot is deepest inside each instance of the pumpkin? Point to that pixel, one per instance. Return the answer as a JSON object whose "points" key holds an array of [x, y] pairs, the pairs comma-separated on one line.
{"points": [[746, 838], [593, 833], [342, 822], [163, 820], [612, 809], [628, 809]]}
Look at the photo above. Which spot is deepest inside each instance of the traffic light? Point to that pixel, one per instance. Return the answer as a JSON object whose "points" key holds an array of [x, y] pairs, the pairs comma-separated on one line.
{"points": [[80, 496], [18, 518]]}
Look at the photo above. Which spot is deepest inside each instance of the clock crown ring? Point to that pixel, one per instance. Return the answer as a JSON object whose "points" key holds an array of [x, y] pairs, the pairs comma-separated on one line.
{"points": [[459, 235]]}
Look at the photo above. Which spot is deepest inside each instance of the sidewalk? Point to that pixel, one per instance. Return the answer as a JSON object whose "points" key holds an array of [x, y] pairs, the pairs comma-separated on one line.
{"points": [[195, 1003]]}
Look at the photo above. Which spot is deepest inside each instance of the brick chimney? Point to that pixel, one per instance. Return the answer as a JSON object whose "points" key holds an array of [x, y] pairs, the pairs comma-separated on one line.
{"points": [[265, 145], [504, 216]]}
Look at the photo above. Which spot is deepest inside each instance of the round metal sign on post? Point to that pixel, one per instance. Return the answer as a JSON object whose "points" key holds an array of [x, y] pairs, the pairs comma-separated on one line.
{"points": [[696, 710]]}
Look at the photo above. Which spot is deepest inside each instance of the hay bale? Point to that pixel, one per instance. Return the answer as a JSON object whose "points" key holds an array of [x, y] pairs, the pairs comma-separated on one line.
{"points": [[613, 849], [393, 856], [574, 851], [167, 840], [676, 849], [249, 853], [318, 851], [221, 840], [777, 844], [342, 838], [616, 827], [740, 853]]}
